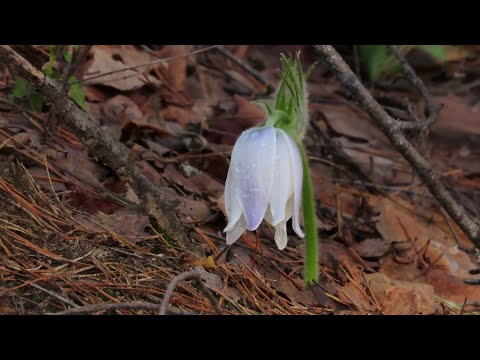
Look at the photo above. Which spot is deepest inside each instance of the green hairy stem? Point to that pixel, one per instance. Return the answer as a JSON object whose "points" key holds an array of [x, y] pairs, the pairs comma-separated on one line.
{"points": [[310, 224]]}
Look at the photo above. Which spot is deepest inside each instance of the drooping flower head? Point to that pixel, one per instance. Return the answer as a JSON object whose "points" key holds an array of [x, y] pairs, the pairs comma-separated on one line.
{"points": [[264, 180]]}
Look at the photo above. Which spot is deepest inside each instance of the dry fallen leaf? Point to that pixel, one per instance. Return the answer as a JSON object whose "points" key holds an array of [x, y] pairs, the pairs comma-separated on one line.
{"points": [[199, 183], [400, 222], [112, 58], [177, 68], [372, 248], [402, 298]]}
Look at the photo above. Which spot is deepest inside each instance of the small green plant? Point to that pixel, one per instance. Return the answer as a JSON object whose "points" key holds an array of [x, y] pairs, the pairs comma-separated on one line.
{"points": [[25, 95], [378, 62]]}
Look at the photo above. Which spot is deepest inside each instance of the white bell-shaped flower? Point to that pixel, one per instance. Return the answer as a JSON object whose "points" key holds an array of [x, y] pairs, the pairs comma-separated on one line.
{"points": [[264, 181]]}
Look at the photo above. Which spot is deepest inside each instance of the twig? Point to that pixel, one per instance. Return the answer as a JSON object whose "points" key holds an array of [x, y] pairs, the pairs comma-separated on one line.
{"points": [[145, 64], [221, 49], [78, 57], [393, 132], [55, 295], [192, 274], [89, 309], [105, 148], [431, 111]]}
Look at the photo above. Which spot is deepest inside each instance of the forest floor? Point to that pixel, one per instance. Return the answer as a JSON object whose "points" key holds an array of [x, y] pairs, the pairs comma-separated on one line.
{"points": [[72, 234]]}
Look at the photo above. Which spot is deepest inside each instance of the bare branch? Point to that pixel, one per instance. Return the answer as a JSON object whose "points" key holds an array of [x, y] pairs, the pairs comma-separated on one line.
{"points": [[431, 111], [393, 132]]}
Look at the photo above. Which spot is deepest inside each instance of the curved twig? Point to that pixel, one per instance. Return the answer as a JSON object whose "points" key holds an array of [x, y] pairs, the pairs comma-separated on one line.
{"points": [[192, 274]]}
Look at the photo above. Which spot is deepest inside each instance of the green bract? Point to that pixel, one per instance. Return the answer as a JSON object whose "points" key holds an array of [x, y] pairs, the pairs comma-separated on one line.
{"points": [[290, 111]]}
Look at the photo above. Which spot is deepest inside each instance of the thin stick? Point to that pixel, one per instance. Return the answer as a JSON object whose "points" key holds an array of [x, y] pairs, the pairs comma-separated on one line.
{"points": [[55, 295], [221, 49], [393, 132], [89, 309], [145, 64], [192, 274], [79, 57]]}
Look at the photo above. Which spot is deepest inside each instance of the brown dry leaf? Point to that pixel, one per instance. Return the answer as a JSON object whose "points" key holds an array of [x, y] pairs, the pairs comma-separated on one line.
{"points": [[302, 297], [130, 195], [129, 221], [94, 94], [111, 58], [198, 184], [457, 117], [117, 112], [350, 121], [247, 115], [177, 68], [399, 223], [351, 294], [372, 248], [211, 280], [451, 288], [402, 298], [188, 208], [181, 115], [151, 173], [457, 52]]}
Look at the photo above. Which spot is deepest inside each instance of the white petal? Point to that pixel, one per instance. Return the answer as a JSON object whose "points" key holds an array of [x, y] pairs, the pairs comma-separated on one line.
{"points": [[231, 204], [237, 231], [282, 187], [297, 182], [281, 237], [252, 176]]}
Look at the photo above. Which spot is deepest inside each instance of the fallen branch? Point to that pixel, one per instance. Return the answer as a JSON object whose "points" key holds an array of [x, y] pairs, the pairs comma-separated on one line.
{"points": [[393, 132], [105, 148], [193, 274]]}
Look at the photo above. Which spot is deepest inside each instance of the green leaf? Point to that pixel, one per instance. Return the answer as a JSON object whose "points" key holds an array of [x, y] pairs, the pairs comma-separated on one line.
{"points": [[436, 51], [264, 103], [67, 56], [377, 61], [48, 67], [24, 94], [36, 102], [77, 93], [19, 89]]}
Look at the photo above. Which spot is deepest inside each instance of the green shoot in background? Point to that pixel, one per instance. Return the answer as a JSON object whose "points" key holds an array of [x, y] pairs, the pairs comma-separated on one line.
{"points": [[378, 62]]}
